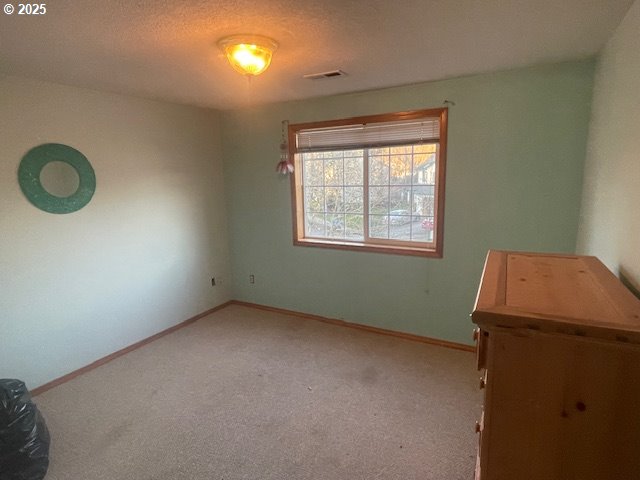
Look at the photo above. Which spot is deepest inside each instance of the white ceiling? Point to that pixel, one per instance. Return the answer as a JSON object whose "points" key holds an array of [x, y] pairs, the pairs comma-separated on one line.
{"points": [[166, 49]]}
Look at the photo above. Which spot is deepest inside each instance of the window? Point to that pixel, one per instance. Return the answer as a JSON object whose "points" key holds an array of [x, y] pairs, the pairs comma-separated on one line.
{"points": [[371, 183]]}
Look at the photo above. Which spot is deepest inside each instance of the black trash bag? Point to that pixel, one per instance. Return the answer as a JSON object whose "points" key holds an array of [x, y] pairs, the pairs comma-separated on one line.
{"points": [[24, 437]]}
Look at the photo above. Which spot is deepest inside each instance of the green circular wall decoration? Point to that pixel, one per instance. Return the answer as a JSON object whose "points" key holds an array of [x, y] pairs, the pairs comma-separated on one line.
{"points": [[29, 177]]}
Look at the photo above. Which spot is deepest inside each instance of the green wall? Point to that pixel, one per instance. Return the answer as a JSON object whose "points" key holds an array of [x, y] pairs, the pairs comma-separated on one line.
{"points": [[514, 175]]}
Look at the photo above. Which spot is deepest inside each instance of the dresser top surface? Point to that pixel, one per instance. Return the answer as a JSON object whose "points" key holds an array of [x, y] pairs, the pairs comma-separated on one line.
{"points": [[556, 293]]}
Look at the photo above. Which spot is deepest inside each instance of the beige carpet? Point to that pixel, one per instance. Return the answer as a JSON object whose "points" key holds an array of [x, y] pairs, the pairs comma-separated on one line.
{"points": [[248, 394]]}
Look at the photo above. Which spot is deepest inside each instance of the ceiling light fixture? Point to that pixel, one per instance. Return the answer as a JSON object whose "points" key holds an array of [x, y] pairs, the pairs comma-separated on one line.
{"points": [[248, 54]]}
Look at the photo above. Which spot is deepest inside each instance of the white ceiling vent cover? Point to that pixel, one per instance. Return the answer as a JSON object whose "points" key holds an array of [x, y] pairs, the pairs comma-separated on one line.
{"points": [[329, 74]]}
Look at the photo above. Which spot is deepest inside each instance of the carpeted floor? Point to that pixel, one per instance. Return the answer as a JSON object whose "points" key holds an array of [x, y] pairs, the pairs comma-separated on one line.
{"points": [[248, 394]]}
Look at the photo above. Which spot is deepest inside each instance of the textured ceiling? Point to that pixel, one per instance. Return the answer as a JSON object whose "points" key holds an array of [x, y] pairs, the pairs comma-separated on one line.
{"points": [[166, 49]]}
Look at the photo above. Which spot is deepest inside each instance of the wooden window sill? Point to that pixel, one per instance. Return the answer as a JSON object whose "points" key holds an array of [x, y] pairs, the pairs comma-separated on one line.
{"points": [[370, 247]]}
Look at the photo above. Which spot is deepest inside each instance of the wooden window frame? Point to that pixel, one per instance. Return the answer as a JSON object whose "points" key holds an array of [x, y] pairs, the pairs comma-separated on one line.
{"points": [[383, 246]]}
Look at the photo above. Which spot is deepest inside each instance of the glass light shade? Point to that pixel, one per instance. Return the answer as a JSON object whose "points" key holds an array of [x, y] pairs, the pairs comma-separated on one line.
{"points": [[248, 54]]}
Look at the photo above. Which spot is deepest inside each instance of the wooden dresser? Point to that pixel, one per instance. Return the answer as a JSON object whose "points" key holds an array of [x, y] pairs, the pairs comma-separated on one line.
{"points": [[558, 344]]}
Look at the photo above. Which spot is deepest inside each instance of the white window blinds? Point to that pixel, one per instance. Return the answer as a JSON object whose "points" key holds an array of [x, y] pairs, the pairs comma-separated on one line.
{"points": [[369, 135]]}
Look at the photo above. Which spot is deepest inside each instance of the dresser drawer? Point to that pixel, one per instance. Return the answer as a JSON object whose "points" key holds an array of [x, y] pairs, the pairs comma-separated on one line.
{"points": [[479, 429], [481, 338]]}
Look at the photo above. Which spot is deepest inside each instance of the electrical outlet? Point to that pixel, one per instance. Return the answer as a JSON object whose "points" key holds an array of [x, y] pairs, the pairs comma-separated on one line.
{"points": [[252, 279]]}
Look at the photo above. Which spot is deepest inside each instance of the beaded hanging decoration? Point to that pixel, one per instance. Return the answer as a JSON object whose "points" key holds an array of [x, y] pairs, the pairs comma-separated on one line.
{"points": [[284, 166]]}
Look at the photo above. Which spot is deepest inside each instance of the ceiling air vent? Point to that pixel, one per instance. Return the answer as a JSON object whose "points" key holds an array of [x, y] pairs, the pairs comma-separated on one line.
{"points": [[330, 74]]}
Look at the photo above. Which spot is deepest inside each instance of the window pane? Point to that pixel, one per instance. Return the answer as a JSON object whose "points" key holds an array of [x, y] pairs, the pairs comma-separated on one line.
{"points": [[423, 204], [333, 172], [425, 148], [334, 200], [400, 224], [326, 207], [335, 226], [400, 199], [379, 200], [354, 227], [424, 169], [313, 172], [422, 194], [314, 199], [405, 149], [314, 224], [378, 170], [401, 205], [353, 170], [423, 229], [379, 151], [378, 226], [354, 153], [400, 169], [400, 227], [353, 200]]}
